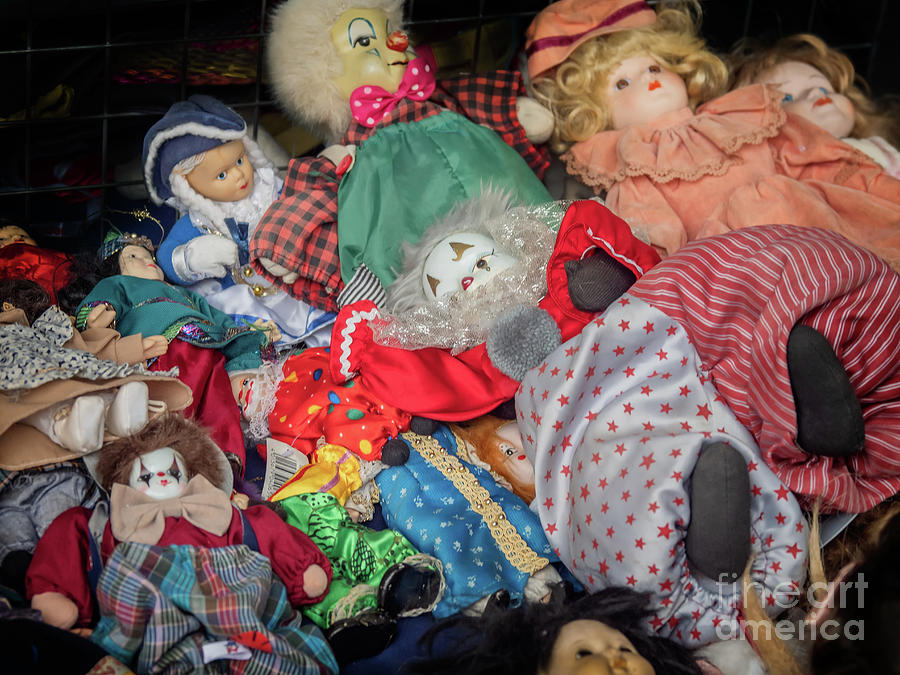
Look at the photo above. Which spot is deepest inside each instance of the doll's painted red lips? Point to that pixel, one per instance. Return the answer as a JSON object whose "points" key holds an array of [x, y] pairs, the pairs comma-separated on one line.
{"points": [[825, 100], [653, 85], [244, 186], [466, 282]]}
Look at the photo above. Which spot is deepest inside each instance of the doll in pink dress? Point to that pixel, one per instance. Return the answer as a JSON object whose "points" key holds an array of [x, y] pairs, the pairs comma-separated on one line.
{"points": [[820, 84], [628, 124]]}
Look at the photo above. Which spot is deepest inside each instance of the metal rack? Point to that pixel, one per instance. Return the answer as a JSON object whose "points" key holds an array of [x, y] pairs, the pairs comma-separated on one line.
{"points": [[85, 80]]}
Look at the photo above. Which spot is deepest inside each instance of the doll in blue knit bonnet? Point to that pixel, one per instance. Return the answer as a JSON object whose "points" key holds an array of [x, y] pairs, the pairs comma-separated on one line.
{"points": [[199, 159]]}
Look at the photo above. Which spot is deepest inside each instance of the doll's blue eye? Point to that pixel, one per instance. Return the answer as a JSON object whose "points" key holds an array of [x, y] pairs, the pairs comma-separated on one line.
{"points": [[621, 84], [240, 161], [222, 176], [823, 90], [787, 98]]}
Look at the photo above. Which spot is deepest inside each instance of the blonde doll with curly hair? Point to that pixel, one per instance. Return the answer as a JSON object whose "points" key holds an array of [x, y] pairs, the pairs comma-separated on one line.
{"points": [[820, 84], [639, 117], [574, 91]]}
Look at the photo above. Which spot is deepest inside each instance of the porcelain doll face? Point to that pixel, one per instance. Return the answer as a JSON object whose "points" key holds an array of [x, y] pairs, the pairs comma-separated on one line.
{"points": [[371, 51], [460, 262], [515, 463], [587, 647], [136, 261], [639, 90], [159, 474], [13, 234], [225, 173], [808, 93], [249, 392]]}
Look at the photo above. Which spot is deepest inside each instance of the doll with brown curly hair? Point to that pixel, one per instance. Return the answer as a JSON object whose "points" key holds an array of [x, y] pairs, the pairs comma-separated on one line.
{"points": [[169, 485], [820, 84], [628, 122]]}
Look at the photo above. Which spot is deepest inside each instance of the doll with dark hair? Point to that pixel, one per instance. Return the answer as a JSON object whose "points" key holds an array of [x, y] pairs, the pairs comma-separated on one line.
{"points": [[22, 258], [605, 632], [204, 343]]}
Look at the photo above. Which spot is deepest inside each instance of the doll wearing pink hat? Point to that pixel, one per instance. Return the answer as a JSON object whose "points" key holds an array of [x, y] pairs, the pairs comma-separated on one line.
{"points": [[631, 122]]}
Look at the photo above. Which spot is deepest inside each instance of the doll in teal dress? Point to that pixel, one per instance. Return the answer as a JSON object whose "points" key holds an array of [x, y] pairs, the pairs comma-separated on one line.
{"points": [[206, 345]]}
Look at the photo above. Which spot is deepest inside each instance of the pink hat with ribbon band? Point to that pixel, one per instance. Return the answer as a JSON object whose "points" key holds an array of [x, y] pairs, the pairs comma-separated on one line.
{"points": [[557, 30]]}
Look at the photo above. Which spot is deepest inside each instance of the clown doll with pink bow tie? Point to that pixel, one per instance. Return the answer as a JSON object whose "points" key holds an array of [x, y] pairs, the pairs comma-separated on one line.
{"points": [[404, 148]]}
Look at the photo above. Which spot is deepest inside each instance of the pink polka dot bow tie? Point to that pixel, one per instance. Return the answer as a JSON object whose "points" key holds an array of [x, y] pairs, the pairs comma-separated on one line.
{"points": [[370, 104]]}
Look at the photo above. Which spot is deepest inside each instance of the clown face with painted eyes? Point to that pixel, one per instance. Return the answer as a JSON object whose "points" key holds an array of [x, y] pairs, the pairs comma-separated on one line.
{"points": [[372, 53], [159, 474], [462, 261]]}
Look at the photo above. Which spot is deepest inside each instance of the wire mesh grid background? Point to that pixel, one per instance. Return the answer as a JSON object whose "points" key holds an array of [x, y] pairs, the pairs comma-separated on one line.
{"points": [[85, 80]]}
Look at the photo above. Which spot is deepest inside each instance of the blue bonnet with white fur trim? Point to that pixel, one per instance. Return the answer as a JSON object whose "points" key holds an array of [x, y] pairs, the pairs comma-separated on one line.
{"points": [[188, 128]]}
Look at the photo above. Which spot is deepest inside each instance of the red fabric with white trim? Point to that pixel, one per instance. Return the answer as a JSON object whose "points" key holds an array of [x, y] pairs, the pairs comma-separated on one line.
{"points": [[587, 225]]}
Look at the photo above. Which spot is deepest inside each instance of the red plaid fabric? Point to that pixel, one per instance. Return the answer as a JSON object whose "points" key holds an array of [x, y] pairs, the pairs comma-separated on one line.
{"points": [[299, 231]]}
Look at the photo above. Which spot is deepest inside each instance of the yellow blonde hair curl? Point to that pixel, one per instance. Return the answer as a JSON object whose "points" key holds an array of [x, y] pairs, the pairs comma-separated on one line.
{"points": [[575, 90]]}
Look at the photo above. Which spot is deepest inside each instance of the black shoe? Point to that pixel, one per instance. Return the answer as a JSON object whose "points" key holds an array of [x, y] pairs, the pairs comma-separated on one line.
{"points": [[718, 536], [829, 417], [361, 636], [405, 587]]}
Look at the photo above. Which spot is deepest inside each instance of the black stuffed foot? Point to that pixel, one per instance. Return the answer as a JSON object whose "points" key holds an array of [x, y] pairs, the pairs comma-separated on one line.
{"points": [[394, 452], [718, 537], [829, 416], [405, 588], [361, 636], [596, 281]]}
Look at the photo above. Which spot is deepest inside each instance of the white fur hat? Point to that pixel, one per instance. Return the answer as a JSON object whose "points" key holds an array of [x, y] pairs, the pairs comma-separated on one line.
{"points": [[302, 62]]}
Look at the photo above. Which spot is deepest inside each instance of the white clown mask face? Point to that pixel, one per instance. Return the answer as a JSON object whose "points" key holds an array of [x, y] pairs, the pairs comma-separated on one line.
{"points": [[460, 262], [159, 474]]}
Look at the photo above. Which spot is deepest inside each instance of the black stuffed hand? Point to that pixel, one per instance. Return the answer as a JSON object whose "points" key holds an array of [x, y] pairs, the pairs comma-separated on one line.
{"points": [[596, 281]]}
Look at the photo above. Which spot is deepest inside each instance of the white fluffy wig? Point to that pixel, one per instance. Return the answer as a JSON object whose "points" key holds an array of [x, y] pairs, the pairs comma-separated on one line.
{"points": [[461, 320], [302, 62]]}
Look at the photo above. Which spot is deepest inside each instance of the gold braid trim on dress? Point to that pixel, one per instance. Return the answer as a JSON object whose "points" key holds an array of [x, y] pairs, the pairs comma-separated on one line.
{"points": [[510, 542]]}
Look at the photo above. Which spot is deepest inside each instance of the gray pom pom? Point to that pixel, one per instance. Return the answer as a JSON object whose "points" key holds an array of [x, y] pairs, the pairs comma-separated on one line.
{"points": [[520, 339]]}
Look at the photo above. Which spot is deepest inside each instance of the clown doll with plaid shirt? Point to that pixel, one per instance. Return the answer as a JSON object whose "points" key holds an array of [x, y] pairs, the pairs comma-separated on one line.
{"points": [[344, 70]]}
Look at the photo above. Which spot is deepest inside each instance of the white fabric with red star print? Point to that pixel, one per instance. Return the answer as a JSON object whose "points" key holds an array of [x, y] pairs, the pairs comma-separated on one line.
{"points": [[614, 421]]}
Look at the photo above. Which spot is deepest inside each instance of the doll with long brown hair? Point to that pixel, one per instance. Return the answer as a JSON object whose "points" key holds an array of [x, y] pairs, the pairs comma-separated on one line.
{"points": [[638, 117], [820, 84]]}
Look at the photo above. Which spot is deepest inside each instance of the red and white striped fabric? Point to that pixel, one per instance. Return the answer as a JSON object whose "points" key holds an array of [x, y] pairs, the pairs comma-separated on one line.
{"points": [[738, 296]]}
